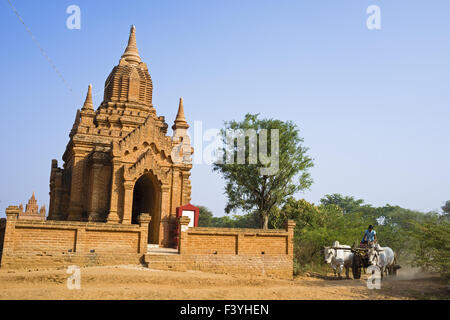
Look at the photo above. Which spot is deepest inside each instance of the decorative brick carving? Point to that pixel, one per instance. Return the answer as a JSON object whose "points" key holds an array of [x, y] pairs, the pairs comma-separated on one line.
{"points": [[117, 144]]}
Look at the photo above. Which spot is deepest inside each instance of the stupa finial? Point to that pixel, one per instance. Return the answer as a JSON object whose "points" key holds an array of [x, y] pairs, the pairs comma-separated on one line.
{"points": [[180, 120], [88, 104], [131, 54]]}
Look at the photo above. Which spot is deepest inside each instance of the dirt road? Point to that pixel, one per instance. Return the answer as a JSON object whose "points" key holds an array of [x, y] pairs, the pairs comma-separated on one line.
{"points": [[136, 283]]}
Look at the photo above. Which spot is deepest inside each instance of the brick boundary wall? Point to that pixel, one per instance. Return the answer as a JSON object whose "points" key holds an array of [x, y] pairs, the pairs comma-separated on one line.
{"points": [[252, 252], [50, 244], [31, 244], [2, 235]]}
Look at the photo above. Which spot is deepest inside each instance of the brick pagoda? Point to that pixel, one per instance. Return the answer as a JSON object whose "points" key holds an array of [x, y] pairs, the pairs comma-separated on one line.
{"points": [[119, 161]]}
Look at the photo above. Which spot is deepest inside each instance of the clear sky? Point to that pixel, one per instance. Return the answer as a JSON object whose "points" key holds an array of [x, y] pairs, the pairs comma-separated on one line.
{"points": [[372, 105]]}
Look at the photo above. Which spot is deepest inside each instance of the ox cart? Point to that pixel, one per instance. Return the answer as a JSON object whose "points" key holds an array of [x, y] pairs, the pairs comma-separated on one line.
{"points": [[361, 260]]}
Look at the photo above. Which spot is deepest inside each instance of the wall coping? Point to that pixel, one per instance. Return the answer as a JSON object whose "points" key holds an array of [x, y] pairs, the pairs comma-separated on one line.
{"points": [[75, 224], [206, 230]]}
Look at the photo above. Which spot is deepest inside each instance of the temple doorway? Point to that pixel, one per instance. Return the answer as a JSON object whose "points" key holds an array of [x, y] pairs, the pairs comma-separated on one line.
{"points": [[146, 199]]}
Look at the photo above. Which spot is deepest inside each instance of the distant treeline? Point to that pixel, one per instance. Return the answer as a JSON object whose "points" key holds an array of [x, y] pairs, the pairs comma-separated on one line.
{"points": [[419, 239]]}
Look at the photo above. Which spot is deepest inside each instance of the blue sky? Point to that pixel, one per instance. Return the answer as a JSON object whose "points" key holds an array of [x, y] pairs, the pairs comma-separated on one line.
{"points": [[372, 105]]}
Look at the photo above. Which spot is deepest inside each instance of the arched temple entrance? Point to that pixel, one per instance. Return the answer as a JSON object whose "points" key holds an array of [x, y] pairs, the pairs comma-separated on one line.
{"points": [[146, 199]]}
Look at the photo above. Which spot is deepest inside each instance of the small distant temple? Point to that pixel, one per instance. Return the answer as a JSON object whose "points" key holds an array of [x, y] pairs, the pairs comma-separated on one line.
{"points": [[32, 211], [119, 161]]}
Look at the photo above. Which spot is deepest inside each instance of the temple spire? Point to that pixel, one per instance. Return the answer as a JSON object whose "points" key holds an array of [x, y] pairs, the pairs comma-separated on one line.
{"points": [[131, 54], [88, 102], [180, 121]]}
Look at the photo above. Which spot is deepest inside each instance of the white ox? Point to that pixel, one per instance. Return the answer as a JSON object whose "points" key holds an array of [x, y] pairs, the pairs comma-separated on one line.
{"points": [[384, 258], [339, 257]]}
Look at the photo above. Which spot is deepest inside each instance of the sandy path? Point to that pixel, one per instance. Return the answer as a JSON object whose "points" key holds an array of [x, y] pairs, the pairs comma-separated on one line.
{"points": [[133, 282]]}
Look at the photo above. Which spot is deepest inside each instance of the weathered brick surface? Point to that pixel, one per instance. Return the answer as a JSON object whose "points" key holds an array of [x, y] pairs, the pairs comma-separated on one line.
{"points": [[38, 244], [34, 238], [236, 251], [236, 241], [210, 243], [112, 242], [2, 235], [264, 244]]}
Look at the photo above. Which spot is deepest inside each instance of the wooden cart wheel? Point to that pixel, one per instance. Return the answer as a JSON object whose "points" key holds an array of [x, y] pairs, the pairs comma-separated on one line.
{"points": [[356, 267]]}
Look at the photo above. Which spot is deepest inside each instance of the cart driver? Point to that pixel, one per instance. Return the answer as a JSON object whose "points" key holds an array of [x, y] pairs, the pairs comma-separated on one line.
{"points": [[370, 237]]}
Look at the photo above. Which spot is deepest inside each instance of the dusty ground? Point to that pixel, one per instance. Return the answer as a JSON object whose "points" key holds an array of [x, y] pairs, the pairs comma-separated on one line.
{"points": [[134, 282]]}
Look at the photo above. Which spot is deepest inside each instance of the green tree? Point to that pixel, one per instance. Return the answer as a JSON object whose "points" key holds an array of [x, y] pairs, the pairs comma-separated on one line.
{"points": [[433, 251], [304, 213], [205, 217], [417, 238], [446, 207], [347, 204], [252, 190], [316, 227], [249, 220]]}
